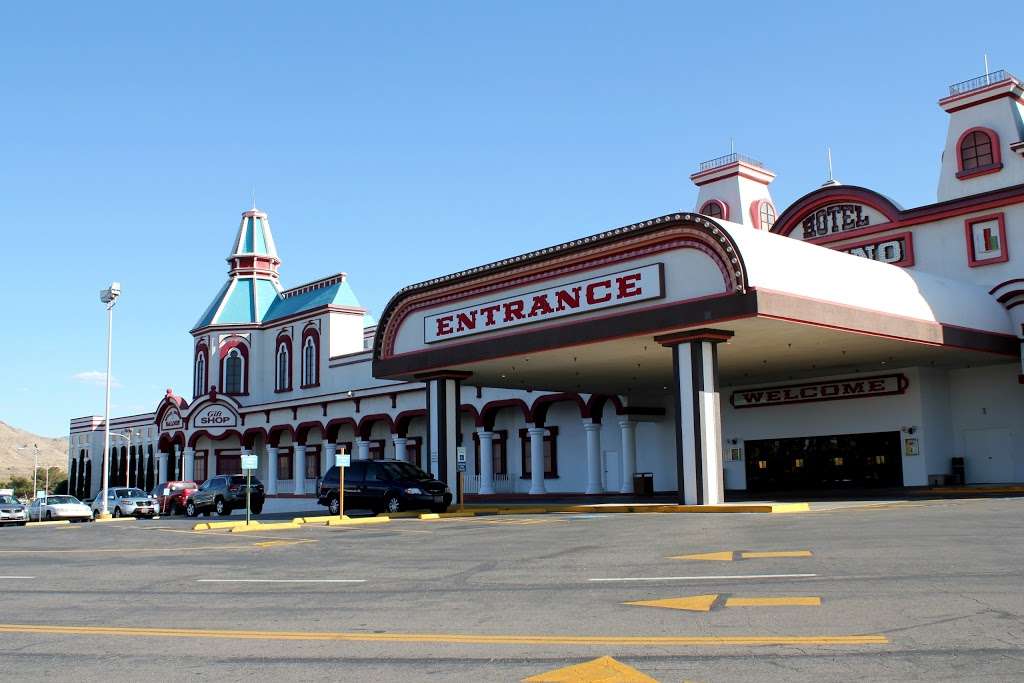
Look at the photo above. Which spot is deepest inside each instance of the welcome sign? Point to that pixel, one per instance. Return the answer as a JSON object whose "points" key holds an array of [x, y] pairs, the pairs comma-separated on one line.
{"points": [[594, 294], [857, 387]]}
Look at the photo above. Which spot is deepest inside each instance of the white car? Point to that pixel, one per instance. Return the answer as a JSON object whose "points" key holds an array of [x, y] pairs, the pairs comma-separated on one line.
{"points": [[58, 507], [124, 501]]}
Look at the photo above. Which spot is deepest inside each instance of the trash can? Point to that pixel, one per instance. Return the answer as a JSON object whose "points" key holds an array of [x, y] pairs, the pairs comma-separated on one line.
{"points": [[643, 484], [959, 476]]}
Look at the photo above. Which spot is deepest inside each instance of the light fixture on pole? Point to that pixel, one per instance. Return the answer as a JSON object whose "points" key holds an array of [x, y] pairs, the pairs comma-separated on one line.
{"points": [[35, 463], [108, 296]]}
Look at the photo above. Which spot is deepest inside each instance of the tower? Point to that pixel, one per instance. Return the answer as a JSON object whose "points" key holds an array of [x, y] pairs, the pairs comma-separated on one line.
{"points": [[985, 141], [735, 188]]}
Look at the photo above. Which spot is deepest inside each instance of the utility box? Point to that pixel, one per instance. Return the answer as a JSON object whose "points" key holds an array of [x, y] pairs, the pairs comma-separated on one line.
{"points": [[643, 484], [959, 477]]}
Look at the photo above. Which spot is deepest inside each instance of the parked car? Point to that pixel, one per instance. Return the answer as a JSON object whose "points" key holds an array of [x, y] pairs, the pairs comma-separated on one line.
{"points": [[178, 493], [384, 486], [224, 493], [123, 501], [59, 507], [12, 511]]}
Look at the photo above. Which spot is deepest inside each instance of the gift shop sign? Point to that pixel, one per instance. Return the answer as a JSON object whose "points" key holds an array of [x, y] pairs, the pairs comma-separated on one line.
{"points": [[171, 421], [215, 416], [594, 294], [835, 390]]}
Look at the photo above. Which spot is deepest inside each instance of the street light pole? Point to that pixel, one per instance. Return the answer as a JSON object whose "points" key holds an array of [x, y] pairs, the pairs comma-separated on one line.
{"points": [[109, 297]]}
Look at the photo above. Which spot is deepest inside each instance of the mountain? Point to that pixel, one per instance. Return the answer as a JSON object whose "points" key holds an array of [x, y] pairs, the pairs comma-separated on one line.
{"points": [[52, 452]]}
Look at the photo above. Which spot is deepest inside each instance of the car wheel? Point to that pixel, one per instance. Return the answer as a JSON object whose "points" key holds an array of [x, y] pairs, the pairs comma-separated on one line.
{"points": [[439, 508], [222, 509], [392, 504], [190, 509], [176, 509], [334, 506], [117, 512], [257, 509], [22, 523], [49, 515]]}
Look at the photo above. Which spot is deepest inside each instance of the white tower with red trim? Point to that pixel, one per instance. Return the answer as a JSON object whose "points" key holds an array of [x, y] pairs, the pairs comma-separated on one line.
{"points": [[985, 141], [735, 188]]}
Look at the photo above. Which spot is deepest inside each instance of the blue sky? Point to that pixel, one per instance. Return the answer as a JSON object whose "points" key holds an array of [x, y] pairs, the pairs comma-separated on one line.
{"points": [[400, 141]]}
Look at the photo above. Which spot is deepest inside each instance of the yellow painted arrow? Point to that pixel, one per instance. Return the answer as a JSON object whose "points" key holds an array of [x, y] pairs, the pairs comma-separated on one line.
{"points": [[704, 603], [729, 555], [690, 603], [600, 670], [725, 556]]}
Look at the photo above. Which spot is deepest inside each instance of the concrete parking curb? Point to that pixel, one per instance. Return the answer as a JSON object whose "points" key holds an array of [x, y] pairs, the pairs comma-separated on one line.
{"points": [[207, 526], [264, 527], [358, 521], [115, 519], [618, 508], [55, 522], [446, 515]]}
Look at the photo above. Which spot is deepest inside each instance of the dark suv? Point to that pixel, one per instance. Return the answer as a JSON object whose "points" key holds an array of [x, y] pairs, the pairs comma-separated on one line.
{"points": [[224, 493], [384, 486]]}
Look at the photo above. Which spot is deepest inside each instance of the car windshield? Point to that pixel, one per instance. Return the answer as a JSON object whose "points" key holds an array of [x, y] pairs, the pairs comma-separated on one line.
{"points": [[402, 470], [61, 500], [8, 500], [240, 479], [129, 493], [182, 485]]}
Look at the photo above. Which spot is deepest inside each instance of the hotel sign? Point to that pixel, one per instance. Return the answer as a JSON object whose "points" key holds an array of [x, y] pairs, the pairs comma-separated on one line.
{"points": [[171, 421], [836, 390], [835, 218], [215, 416], [585, 296]]}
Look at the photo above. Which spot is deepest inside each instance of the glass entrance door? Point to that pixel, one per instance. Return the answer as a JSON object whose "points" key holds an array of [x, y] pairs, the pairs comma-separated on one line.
{"points": [[840, 461]]}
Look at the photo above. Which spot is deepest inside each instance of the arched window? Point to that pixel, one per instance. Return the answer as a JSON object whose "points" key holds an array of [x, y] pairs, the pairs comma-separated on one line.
{"points": [[762, 213], [199, 386], [714, 208], [234, 372], [310, 358], [977, 153], [283, 367]]}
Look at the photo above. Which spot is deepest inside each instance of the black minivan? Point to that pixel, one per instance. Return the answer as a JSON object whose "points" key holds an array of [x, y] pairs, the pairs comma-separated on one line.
{"points": [[384, 486]]}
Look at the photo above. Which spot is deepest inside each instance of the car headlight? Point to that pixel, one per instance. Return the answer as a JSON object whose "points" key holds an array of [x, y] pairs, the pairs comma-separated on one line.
{"points": [[413, 491]]}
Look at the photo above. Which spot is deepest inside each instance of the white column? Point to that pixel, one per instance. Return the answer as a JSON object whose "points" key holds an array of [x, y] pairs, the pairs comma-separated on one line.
{"points": [[329, 450], [486, 461], [698, 418], [628, 455], [442, 394], [211, 464], [190, 464], [299, 475], [271, 483], [401, 453], [161, 467], [536, 459], [362, 450], [593, 430]]}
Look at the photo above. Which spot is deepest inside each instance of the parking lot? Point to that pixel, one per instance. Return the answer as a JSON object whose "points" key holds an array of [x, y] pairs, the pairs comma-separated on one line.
{"points": [[922, 590]]}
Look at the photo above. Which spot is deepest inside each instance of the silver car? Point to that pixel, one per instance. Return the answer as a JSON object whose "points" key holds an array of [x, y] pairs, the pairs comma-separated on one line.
{"points": [[12, 511], [58, 507], [124, 502]]}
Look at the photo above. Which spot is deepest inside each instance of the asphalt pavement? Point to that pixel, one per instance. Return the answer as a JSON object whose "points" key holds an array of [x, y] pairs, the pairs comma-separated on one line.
{"points": [[919, 590]]}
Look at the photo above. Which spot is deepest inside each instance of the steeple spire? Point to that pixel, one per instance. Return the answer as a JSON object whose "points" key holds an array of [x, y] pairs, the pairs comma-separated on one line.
{"points": [[254, 252]]}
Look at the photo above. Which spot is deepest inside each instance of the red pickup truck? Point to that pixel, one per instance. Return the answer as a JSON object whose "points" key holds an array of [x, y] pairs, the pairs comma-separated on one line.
{"points": [[178, 493]]}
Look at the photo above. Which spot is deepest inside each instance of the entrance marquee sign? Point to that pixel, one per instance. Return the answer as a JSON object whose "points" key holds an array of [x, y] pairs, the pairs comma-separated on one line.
{"points": [[215, 416], [834, 218], [895, 249], [171, 421], [596, 293], [835, 390]]}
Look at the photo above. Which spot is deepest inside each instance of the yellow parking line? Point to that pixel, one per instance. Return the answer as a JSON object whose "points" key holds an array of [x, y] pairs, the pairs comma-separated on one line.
{"points": [[808, 601], [474, 639]]}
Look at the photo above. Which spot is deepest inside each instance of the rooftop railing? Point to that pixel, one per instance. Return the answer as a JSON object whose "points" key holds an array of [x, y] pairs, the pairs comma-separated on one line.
{"points": [[980, 82], [726, 160]]}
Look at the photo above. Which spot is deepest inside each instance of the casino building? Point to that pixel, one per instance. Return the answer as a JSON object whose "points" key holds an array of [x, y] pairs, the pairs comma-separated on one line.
{"points": [[844, 342]]}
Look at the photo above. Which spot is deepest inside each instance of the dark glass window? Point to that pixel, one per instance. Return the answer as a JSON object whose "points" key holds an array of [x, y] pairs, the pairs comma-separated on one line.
{"points": [[712, 209], [976, 151], [233, 372]]}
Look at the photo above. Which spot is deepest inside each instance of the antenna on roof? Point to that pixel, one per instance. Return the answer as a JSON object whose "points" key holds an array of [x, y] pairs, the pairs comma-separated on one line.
{"points": [[987, 81], [831, 180], [254, 196], [732, 145]]}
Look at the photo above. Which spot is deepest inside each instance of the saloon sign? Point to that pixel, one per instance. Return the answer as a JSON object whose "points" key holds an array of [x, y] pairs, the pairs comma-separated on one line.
{"points": [[836, 390], [596, 293], [171, 421], [215, 416]]}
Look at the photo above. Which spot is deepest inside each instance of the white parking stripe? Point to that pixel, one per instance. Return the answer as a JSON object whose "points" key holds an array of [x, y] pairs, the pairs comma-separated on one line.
{"points": [[17, 577], [280, 580], [709, 578]]}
